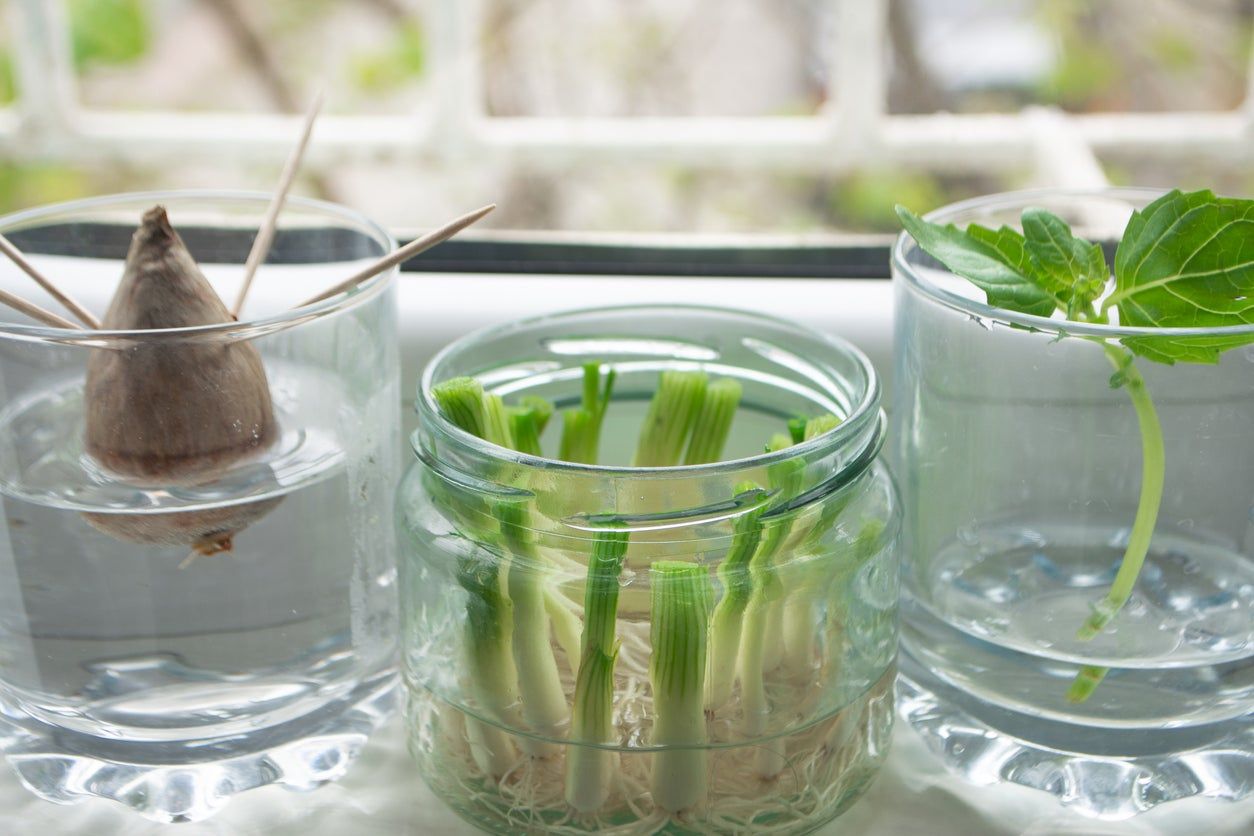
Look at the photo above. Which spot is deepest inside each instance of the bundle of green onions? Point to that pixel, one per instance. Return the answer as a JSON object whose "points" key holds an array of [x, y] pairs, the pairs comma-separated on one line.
{"points": [[703, 649]]}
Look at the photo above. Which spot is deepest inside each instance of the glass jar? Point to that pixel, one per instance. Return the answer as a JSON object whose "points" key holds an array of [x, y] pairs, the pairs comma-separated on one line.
{"points": [[1020, 451], [786, 712], [170, 641]]}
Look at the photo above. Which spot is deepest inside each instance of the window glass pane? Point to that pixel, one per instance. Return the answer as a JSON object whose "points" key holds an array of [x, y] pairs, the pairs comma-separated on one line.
{"points": [[1230, 177], [656, 57], [1081, 55], [369, 56], [8, 89]]}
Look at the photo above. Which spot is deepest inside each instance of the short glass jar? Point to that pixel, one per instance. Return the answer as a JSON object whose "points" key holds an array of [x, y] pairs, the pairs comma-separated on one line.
{"points": [[1020, 450], [137, 665], [806, 723]]}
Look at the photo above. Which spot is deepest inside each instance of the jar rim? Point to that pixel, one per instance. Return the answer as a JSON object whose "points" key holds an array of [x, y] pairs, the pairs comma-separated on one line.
{"points": [[241, 330], [865, 407], [905, 246]]}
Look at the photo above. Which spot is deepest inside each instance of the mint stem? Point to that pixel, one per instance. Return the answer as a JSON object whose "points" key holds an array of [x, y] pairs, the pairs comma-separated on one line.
{"points": [[1153, 473]]}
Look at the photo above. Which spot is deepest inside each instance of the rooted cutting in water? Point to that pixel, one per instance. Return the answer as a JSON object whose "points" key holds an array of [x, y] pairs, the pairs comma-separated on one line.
{"points": [[1184, 261], [705, 669]]}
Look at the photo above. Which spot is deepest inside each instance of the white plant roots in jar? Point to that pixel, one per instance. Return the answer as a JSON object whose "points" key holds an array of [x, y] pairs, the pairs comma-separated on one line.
{"points": [[611, 688]]}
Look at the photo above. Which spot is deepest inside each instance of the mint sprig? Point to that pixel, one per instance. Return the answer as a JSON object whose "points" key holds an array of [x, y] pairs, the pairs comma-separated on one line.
{"points": [[1185, 261]]}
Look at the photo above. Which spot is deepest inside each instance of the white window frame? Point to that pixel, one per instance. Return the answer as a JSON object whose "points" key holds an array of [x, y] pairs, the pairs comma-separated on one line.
{"points": [[852, 130]]}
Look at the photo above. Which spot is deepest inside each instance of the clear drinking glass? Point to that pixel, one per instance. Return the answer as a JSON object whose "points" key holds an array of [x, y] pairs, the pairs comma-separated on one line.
{"points": [[803, 731], [132, 671], [1019, 455]]}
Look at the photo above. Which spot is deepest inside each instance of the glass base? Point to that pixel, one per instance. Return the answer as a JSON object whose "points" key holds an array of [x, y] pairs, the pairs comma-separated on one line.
{"points": [[300, 755], [822, 770], [1109, 774]]}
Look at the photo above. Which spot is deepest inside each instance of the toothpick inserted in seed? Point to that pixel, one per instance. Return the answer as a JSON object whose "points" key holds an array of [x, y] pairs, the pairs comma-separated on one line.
{"points": [[265, 234], [413, 248], [32, 310], [15, 255]]}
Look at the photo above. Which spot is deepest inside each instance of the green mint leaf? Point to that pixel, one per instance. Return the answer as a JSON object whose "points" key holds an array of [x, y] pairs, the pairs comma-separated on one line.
{"points": [[1187, 261], [1156, 216], [1171, 350], [1009, 244], [1070, 268], [993, 261]]}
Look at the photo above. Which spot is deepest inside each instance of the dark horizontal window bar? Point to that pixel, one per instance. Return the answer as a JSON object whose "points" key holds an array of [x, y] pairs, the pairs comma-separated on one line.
{"points": [[860, 260]]}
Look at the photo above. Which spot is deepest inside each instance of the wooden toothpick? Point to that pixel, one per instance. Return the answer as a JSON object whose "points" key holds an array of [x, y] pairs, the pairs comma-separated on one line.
{"points": [[15, 255], [404, 253], [32, 310], [265, 234]]}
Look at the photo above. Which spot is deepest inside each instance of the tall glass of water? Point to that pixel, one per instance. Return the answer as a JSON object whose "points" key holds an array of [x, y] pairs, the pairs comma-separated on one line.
{"points": [[1022, 455], [137, 667]]}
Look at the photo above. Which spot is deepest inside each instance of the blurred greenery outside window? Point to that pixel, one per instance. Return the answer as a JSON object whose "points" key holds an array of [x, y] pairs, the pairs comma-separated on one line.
{"points": [[639, 58]]}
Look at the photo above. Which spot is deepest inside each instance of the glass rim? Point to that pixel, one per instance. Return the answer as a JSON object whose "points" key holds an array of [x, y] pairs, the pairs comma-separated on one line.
{"points": [[242, 329], [865, 411], [957, 212]]}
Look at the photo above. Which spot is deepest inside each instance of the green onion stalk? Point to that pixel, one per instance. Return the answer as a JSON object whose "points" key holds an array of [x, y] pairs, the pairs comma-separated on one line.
{"points": [[809, 580], [672, 415], [489, 631], [581, 427], [680, 595], [543, 701], [756, 657], [527, 423], [728, 618], [580, 442], [687, 412], [524, 667], [713, 422], [489, 613], [689, 421], [588, 768], [539, 684]]}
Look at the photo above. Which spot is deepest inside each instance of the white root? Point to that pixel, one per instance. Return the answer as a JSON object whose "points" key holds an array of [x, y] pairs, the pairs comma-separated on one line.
{"points": [[823, 764]]}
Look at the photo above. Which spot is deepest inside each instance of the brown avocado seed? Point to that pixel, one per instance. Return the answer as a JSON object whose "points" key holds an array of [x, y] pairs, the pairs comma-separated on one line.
{"points": [[170, 410]]}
